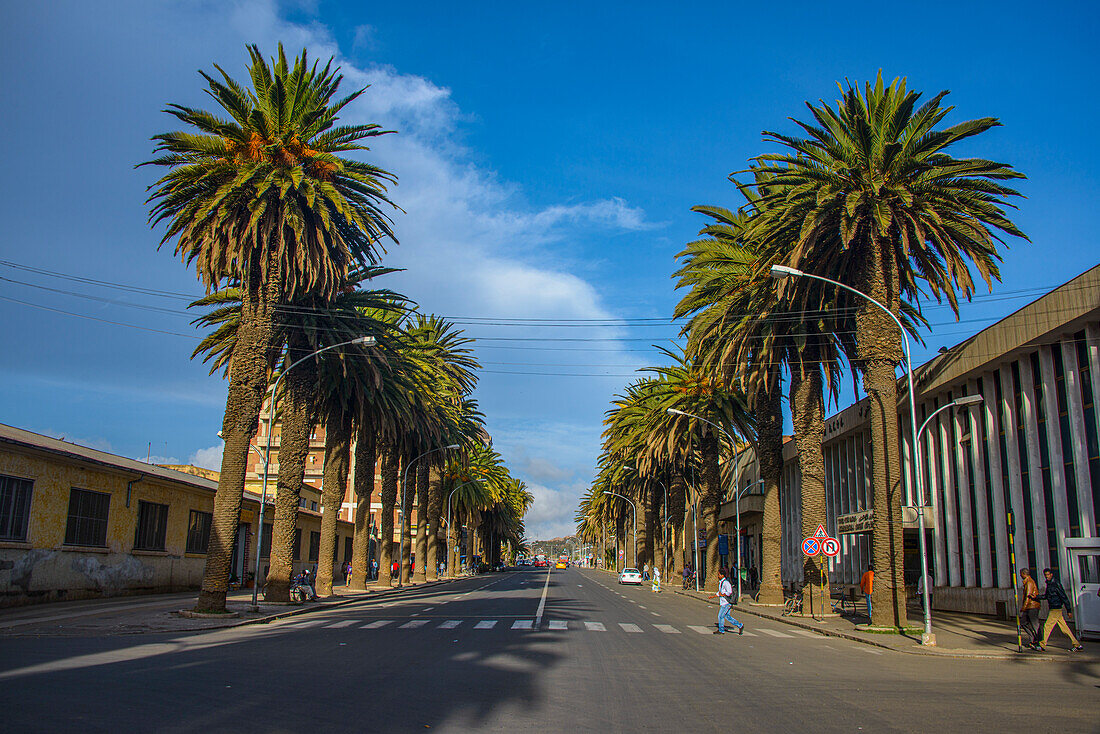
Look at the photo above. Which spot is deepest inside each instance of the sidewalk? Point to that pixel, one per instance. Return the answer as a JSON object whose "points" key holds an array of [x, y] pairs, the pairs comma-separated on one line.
{"points": [[127, 615], [958, 635]]}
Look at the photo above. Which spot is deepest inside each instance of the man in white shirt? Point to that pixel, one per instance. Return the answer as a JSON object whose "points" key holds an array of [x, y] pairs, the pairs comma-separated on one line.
{"points": [[725, 604]]}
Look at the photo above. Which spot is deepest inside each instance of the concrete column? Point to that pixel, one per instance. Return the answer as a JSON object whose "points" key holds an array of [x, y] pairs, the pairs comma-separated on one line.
{"points": [[967, 551], [1054, 451], [991, 413], [981, 489], [950, 514], [1034, 473], [1092, 354], [1075, 404], [931, 462], [1012, 463]]}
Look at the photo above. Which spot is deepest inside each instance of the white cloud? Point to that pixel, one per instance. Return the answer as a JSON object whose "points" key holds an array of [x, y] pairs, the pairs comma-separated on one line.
{"points": [[210, 458], [156, 459]]}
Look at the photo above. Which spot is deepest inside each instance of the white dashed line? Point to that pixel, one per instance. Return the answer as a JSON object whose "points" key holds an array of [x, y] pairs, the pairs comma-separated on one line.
{"points": [[627, 627], [668, 629], [376, 625], [486, 624], [411, 625], [774, 633], [595, 627]]}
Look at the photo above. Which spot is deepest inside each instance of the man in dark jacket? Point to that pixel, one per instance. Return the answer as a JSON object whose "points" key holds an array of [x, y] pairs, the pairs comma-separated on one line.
{"points": [[1056, 600]]}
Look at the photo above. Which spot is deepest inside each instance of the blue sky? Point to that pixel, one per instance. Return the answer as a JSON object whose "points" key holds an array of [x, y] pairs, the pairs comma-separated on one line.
{"points": [[548, 159]]}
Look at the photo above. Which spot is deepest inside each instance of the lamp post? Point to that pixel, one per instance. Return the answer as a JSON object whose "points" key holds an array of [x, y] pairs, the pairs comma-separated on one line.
{"points": [[401, 519], [635, 508], [366, 341], [779, 272], [736, 504]]}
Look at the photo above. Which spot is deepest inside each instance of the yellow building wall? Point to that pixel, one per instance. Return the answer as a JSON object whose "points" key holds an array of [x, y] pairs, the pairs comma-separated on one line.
{"points": [[44, 569]]}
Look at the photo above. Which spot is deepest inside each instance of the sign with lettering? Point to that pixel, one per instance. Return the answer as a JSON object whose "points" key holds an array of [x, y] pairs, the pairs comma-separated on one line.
{"points": [[856, 522]]}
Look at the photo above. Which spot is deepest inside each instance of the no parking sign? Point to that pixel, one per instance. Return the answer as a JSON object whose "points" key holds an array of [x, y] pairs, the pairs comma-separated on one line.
{"points": [[821, 542]]}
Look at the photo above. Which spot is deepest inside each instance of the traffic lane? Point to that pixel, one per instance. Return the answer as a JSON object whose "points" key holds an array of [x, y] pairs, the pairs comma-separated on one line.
{"points": [[834, 668], [437, 675]]}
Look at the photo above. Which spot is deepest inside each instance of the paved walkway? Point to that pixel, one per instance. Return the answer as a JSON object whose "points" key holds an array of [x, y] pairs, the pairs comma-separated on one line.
{"points": [[121, 615], [957, 634]]}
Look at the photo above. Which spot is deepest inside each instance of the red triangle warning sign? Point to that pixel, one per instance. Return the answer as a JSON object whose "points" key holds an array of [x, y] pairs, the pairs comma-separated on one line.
{"points": [[820, 532]]}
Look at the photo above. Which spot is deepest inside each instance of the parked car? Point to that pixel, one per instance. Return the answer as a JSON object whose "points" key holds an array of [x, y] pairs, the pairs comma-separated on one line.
{"points": [[630, 576]]}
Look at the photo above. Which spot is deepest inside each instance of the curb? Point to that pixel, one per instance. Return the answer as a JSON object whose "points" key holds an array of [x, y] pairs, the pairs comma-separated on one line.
{"points": [[957, 654]]}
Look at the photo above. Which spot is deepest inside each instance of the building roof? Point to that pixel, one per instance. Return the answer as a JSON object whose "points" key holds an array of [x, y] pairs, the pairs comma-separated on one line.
{"points": [[1063, 310], [27, 439]]}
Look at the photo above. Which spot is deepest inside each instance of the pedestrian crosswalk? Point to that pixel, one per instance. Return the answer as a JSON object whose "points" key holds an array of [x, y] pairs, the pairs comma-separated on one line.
{"points": [[554, 625]]}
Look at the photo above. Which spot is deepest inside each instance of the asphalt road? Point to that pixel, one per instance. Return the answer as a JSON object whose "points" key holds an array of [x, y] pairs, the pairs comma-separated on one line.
{"points": [[469, 656]]}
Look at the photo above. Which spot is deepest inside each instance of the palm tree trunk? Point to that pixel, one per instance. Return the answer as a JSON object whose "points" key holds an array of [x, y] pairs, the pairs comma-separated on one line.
{"points": [[677, 499], [337, 458], [389, 502], [253, 355], [297, 421], [711, 502], [808, 411], [769, 438], [366, 456], [645, 517], [408, 498], [878, 345], [422, 512], [435, 511]]}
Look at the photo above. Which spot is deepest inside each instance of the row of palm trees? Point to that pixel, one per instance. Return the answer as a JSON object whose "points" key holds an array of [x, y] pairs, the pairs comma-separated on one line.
{"points": [[870, 197], [287, 233]]}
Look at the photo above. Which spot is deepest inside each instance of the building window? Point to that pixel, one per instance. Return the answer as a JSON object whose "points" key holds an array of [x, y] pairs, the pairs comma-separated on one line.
{"points": [[87, 523], [265, 541], [297, 553], [198, 531], [152, 526], [15, 507], [347, 550], [314, 547]]}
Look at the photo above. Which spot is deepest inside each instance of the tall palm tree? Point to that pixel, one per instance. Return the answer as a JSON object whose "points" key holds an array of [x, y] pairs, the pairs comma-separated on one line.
{"points": [[306, 325], [264, 201], [876, 202]]}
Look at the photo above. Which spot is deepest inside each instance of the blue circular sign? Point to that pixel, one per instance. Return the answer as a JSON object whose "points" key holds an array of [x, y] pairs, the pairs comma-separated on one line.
{"points": [[810, 546]]}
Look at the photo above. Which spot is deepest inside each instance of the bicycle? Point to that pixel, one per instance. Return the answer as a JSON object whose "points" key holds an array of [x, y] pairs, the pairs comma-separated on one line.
{"points": [[793, 605], [689, 581]]}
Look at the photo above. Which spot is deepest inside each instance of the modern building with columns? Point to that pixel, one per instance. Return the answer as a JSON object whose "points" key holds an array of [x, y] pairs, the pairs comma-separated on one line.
{"points": [[1029, 449]]}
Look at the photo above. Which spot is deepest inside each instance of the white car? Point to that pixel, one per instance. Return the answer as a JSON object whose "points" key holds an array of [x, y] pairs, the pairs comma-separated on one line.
{"points": [[630, 576]]}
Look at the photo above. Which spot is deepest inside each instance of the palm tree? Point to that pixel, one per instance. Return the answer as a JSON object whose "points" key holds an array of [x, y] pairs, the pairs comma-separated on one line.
{"points": [[874, 201], [305, 326], [263, 201]]}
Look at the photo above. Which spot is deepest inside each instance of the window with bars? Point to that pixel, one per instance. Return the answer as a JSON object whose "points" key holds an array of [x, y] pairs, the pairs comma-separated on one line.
{"points": [[198, 531], [152, 526], [297, 552], [87, 520], [15, 507], [265, 541], [314, 547]]}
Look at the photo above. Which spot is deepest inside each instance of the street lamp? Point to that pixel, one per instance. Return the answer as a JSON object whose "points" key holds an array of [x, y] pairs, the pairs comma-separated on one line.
{"points": [[780, 272], [401, 519], [635, 507], [366, 341], [736, 498]]}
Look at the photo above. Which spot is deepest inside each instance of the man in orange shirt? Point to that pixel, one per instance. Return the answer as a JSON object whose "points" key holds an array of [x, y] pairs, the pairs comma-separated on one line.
{"points": [[867, 586]]}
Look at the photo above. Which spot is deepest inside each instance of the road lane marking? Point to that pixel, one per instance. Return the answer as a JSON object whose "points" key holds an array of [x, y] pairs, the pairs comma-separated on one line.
{"points": [[413, 624], [450, 624], [700, 630], [655, 614], [338, 625], [558, 624], [485, 624], [808, 633], [542, 602], [376, 625], [311, 623], [426, 609], [774, 633], [521, 624], [627, 627], [595, 627], [668, 629]]}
